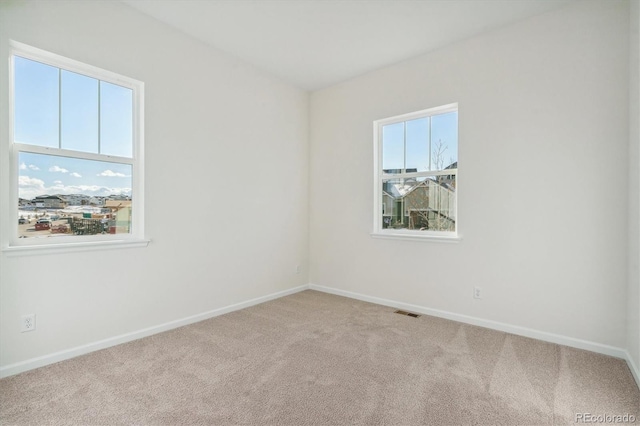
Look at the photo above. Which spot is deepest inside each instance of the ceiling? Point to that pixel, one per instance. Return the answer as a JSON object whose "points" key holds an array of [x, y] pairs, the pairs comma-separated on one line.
{"points": [[313, 44]]}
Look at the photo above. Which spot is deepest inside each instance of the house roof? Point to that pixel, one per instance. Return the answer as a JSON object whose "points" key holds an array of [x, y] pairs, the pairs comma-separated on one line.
{"points": [[117, 204], [49, 197]]}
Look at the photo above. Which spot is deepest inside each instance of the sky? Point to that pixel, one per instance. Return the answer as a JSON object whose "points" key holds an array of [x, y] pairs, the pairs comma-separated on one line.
{"points": [[61, 109], [48, 174], [413, 153]]}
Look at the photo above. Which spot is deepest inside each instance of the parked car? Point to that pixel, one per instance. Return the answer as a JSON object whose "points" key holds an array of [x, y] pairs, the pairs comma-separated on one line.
{"points": [[43, 224], [22, 221]]}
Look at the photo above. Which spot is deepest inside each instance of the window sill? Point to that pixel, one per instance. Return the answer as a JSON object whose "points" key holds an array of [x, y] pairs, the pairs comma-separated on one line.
{"points": [[73, 247], [416, 237]]}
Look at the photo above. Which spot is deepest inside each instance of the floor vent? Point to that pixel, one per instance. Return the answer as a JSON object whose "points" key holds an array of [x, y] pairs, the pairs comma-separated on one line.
{"points": [[409, 314]]}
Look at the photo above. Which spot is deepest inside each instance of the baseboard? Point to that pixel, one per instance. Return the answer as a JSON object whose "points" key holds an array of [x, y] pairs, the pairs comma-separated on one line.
{"points": [[494, 325], [41, 361], [633, 367]]}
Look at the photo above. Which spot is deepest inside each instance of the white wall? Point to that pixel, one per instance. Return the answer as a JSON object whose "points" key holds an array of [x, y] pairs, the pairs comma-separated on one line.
{"points": [[226, 185], [543, 209], [633, 311]]}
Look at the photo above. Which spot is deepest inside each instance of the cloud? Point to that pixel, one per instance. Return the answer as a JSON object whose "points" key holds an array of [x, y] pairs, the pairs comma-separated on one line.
{"points": [[75, 174], [30, 166], [109, 173], [58, 169], [97, 190], [27, 182], [29, 188]]}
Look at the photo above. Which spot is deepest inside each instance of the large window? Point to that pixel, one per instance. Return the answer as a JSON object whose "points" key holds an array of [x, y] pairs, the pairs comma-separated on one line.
{"points": [[76, 151], [416, 174]]}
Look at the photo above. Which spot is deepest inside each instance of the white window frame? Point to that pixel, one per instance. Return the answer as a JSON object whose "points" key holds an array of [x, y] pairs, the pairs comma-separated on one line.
{"points": [[379, 177], [136, 237]]}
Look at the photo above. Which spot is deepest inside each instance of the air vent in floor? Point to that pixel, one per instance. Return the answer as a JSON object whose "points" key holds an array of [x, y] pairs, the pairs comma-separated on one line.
{"points": [[409, 314]]}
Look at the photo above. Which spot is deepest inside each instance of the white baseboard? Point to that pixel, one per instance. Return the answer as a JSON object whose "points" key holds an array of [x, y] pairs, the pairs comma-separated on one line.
{"points": [[633, 367], [41, 361], [494, 325]]}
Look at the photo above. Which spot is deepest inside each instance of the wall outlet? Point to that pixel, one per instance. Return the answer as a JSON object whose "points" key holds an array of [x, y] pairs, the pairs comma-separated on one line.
{"points": [[477, 293], [28, 323], [297, 269]]}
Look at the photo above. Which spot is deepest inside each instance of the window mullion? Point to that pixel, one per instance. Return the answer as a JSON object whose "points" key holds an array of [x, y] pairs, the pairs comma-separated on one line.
{"points": [[404, 146], [59, 108], [99, 115], [429, 143]]}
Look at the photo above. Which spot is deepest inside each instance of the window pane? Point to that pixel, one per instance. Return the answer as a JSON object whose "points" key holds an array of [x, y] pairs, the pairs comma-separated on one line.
{"points": [[425, 203], [444, 141], [418, 145], [78, 197], [393, 192], [116, 120], [36, 98], [79, 112], [393, 148]]}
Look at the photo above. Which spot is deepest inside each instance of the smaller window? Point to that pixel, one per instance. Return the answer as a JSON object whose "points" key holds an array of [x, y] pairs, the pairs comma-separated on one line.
{"points": [[416, 173]]}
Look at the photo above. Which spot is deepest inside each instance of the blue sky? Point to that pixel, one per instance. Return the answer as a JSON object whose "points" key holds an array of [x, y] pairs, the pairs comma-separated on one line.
{"points": [[444, 129], [48, 174], [61, 109]]}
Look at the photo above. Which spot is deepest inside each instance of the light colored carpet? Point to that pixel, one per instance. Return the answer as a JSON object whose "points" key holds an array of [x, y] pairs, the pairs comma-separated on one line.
{"points": [[318, 359]]}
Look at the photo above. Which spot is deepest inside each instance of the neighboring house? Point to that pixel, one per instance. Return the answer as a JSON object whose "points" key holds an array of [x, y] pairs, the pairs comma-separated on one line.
{"points": [[83, 200], [430, 204], [117, 204], [393, 192], [95, 201], [73, 199], [121, 210], [425, 204], [388, 203], [117, 197], [24, 203], [49, 202]]}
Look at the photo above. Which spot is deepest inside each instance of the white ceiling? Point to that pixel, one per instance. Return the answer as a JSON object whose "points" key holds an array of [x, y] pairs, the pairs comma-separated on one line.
{"points": [[313, 44]]}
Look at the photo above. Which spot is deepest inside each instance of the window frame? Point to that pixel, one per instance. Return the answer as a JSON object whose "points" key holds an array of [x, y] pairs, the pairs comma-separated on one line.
{"points": [[136, 236], [379, 177]]}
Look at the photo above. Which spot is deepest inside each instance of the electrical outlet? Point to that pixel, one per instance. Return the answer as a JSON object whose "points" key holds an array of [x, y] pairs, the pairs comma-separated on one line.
{"points": [[297, 269], [477, 293], [28, 323]]}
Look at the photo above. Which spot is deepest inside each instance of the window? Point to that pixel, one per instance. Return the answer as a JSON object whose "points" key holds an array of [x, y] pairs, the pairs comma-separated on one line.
{"points": [[416, 174], [76, 152]]}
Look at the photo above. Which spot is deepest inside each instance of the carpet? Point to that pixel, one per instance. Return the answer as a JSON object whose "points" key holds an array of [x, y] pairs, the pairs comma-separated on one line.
{"points": [[318, 359]]}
